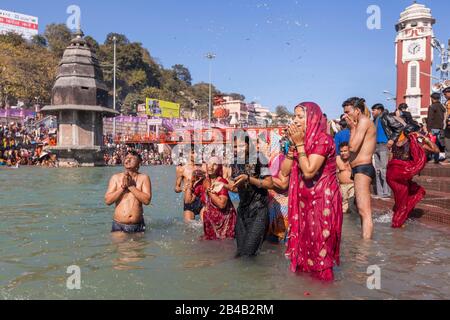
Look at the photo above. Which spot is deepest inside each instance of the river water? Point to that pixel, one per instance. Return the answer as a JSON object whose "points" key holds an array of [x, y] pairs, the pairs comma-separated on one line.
{"points": [[51, 219]]}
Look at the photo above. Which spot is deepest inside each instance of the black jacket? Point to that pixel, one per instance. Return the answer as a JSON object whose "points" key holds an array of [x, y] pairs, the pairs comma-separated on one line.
{"points": [[436, 116], [392, 127]]}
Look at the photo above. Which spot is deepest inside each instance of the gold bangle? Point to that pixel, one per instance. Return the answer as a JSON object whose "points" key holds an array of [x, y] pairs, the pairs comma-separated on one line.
{"points": [[302, 154]]}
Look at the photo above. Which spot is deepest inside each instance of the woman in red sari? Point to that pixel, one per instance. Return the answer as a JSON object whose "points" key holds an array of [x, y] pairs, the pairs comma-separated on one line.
{"points": [[315, 201], [409, 159], [219, 214]]}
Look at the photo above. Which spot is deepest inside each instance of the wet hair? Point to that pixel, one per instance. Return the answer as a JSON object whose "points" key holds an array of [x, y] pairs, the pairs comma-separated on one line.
{"points": [[378, 106], [436, 96], [357, 103], [135, 154], [342, 145]]}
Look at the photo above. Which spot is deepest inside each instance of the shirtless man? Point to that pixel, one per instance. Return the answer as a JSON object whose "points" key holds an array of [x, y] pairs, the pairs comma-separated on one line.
{"points": [[184, 175], [362, 147], [345, 180], [129, 191]]}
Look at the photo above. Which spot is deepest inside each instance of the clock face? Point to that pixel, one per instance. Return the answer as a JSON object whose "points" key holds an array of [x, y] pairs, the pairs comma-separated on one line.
{"points": [[414, 48]]}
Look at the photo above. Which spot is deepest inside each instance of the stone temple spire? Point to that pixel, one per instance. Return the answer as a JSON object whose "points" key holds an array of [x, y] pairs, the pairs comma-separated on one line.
{"points": [[79, 100]]}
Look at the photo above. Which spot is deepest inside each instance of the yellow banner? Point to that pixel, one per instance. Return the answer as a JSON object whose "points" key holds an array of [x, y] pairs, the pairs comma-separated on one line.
{"points": [[163, 109]]}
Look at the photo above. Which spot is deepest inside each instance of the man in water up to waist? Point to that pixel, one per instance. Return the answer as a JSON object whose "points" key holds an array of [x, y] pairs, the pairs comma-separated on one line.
{"points": [[129, 190], [362, 147]]}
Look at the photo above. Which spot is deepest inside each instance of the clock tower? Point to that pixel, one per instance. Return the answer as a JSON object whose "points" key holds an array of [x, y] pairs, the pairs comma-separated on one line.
{"points": [[414, 58]]}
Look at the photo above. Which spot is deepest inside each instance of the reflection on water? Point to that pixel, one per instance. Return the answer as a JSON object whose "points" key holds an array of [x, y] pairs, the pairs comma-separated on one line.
{"points": [[55, 218]]}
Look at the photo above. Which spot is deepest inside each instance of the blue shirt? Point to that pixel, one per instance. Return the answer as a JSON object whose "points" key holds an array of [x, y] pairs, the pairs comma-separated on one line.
{"points": [[381, 135], [341, 136]]}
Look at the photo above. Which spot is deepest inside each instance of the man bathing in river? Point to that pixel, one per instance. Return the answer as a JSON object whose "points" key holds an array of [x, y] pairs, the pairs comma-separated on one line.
{"points": [[362, 147], [129, 190], [185, 175]]}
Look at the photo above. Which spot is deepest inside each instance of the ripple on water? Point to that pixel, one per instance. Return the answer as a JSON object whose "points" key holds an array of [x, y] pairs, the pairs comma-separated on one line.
{"points": [[45, 230]]}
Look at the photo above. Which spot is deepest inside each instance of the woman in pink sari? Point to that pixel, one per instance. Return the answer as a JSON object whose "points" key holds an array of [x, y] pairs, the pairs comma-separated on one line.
{"points": [[409, 159], [219, 214], [315, 201]]}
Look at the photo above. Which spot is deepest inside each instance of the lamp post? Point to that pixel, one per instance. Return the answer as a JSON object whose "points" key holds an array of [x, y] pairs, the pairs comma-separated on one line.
{"points": [[210, 56], [114, 88]]}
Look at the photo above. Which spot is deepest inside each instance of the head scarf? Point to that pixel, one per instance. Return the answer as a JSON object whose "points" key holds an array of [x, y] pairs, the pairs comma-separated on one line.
{"points": [[316, 124]]}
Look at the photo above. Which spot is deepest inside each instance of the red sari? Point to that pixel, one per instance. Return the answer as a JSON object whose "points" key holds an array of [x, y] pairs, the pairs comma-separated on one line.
{"points": [[218, 224], [315, 206], [399, 175]]}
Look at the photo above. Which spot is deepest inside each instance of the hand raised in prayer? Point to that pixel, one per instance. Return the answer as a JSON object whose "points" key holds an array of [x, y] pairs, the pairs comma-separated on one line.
{"points": [[125, 181], [296, 134]]}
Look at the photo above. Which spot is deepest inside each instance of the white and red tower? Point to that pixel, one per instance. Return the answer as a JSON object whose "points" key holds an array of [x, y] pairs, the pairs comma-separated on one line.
{"points": [[414, 58]]}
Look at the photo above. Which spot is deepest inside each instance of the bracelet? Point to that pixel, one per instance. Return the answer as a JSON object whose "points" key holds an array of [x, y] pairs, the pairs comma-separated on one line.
{"points": [[302, 154], [290, 158], [300, 145]]}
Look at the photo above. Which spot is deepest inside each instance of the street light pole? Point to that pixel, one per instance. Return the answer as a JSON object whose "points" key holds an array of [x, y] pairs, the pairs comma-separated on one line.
{"points": [[114, 88], [210, 56]]}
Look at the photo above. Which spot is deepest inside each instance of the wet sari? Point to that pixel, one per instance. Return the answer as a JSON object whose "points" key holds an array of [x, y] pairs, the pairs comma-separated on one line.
{"points": [[218, 224], [315, 206], [408, 161]]}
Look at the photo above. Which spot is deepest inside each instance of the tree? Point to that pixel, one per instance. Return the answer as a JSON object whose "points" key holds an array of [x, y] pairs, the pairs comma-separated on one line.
{"points": [[121, 39], [27, 73], [39, 40], [12, 38], [156, 93], [182, 73], [130, 103], [92, 43], [58, 38], [283, 114], [237, 96]]}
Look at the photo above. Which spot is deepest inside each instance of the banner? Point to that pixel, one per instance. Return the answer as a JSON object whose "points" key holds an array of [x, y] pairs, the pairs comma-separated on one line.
{"points": [[163, 109], [26, 26]]}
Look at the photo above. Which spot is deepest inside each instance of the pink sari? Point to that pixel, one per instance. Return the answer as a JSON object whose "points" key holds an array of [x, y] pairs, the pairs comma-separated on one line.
{"points": [[315, 206], [399, 176], [218, 224]]}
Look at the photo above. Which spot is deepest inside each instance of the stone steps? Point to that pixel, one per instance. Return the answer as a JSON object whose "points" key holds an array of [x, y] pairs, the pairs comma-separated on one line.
{"points": [[441, 184], [436, 204], [436, 170]]}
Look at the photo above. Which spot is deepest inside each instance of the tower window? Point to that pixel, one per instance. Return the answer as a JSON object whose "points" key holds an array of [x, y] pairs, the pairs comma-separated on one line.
{"points": [[413, 76]]}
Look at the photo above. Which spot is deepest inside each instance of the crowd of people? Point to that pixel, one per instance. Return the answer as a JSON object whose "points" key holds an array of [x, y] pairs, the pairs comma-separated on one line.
{"points": [[321, 171], [115, 155], [20, 146]]}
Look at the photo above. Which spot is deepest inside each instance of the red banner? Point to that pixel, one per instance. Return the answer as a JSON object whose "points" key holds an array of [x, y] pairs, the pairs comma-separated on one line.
{"points": [[19, 23]]}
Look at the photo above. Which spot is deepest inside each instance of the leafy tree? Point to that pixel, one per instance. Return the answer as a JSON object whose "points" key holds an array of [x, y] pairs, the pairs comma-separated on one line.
{"points": [[283, 114], [58, 38], [92, 43], [27, 73], [120, 39], [39, 40], [237, 96], [130, 103], [12, 38], [182, 73]]}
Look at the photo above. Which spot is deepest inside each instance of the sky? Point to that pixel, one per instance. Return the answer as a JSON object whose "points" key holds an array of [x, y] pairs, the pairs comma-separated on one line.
{"points": [[279, 52]]}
